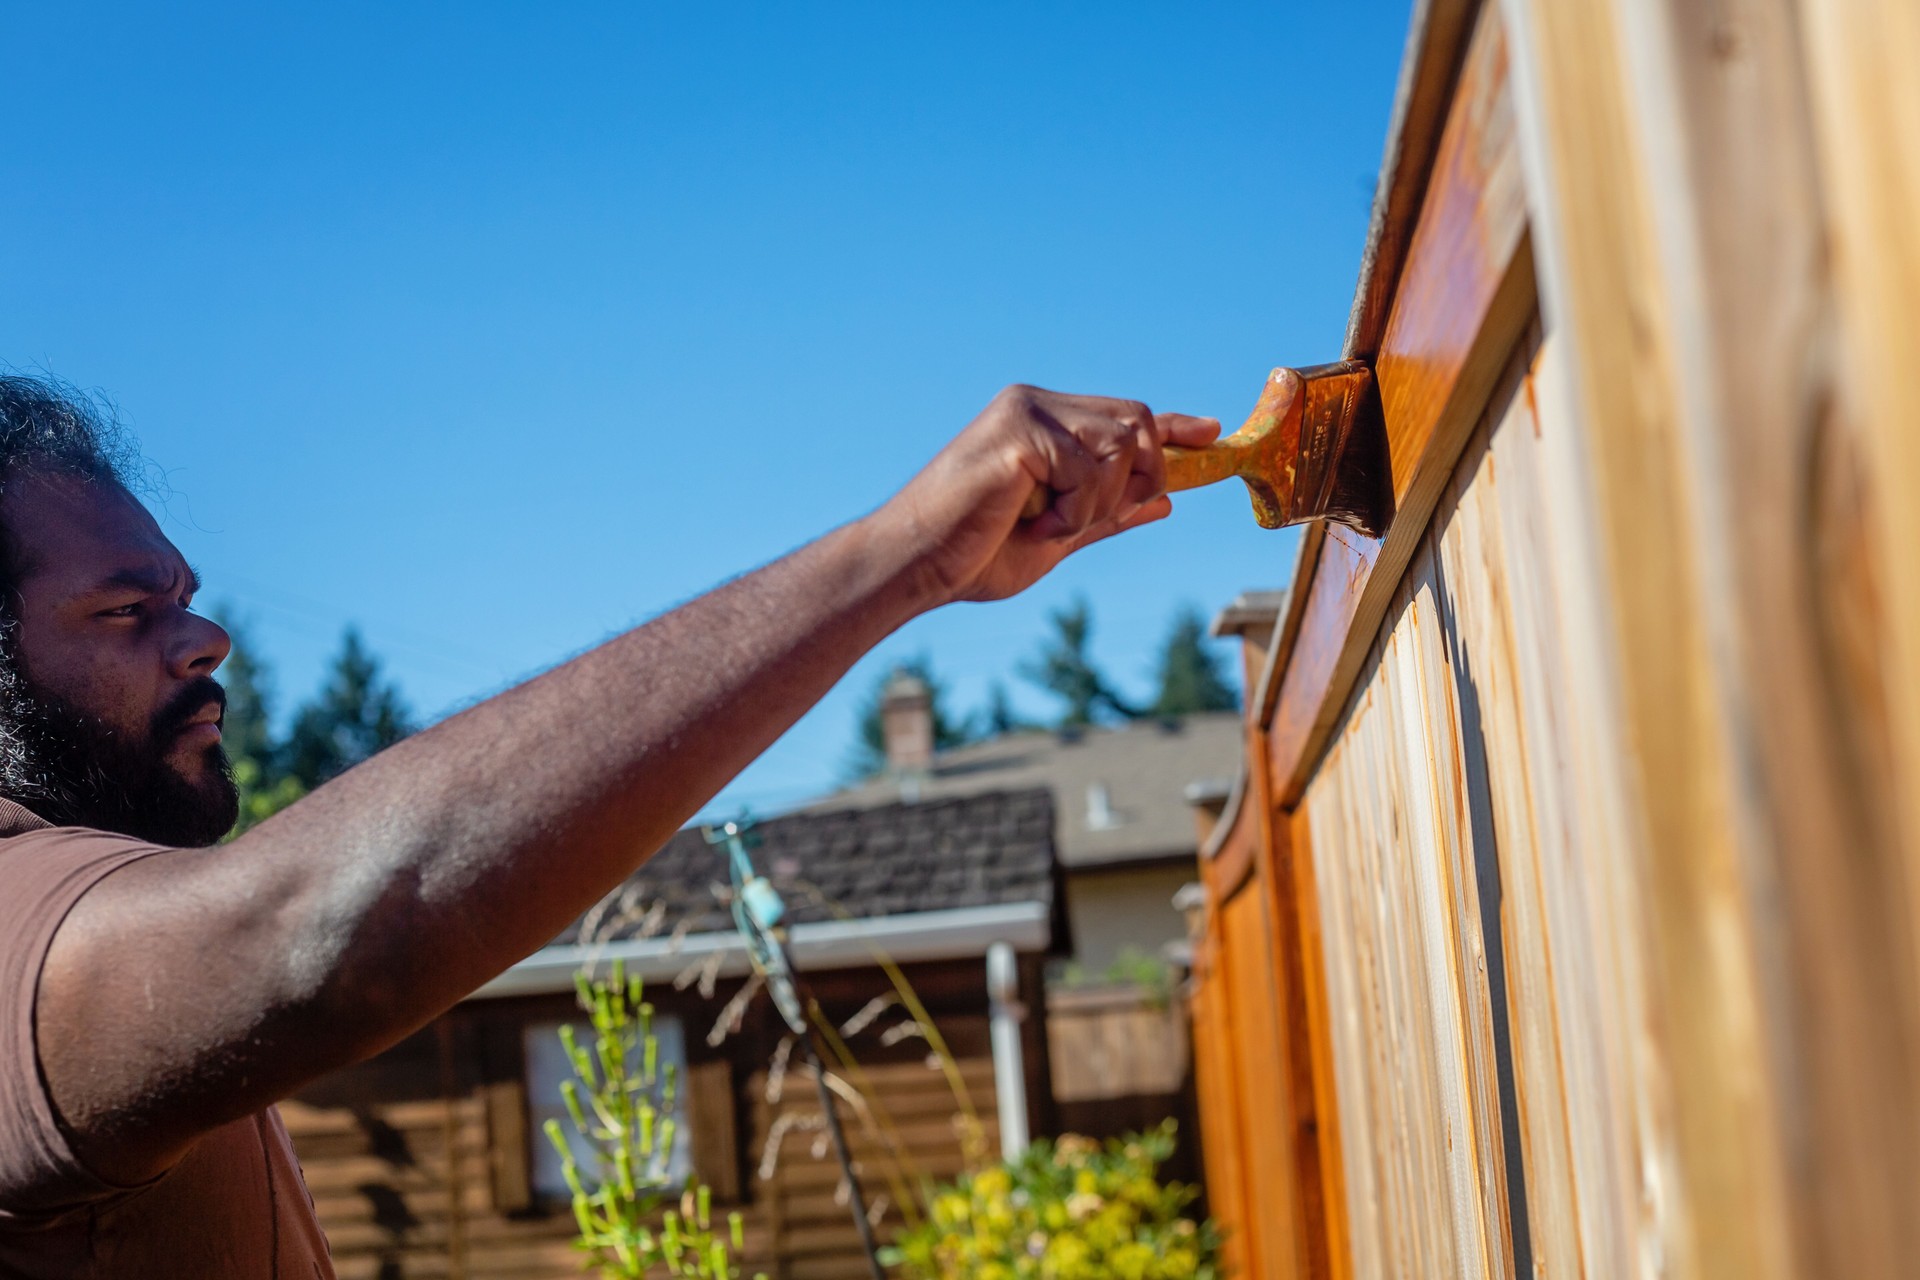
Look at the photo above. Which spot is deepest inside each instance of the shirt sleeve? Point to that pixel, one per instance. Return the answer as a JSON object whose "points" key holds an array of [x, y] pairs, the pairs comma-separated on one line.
{"points": [[42, 875]]}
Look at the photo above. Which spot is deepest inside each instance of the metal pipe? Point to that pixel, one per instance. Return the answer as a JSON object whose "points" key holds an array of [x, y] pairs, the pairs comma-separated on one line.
{"points": [[1005, 1013]]}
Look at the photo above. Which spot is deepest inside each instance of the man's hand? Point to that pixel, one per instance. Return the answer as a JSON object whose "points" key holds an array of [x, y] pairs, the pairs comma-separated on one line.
{"points": [[1098, 460]]}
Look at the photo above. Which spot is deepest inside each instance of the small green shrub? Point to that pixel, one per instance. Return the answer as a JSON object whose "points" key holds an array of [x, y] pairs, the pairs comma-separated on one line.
{"points": [[624, 1104], [1066, 1210]]}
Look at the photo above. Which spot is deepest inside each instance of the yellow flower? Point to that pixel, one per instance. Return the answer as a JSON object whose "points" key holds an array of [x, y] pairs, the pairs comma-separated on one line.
{"points": [[1073, 1146], [994, 1183], [1130, 1261], [1082, 1205]]}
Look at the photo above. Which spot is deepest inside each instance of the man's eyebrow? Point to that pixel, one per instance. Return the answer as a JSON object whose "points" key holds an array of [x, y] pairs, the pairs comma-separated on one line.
{"points": [[149, 580]]}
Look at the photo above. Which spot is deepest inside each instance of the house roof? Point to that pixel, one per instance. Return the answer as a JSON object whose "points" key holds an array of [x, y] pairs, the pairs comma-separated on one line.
{"points": [[935, 881], [984, 850], [1143, 768]]}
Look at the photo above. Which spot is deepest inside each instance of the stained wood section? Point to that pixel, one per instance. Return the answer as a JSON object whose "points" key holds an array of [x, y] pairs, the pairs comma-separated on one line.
{"points": [[1266, 1170], [1315, 1098], [1436, 36], [1222, 1130], [1462, 300]]}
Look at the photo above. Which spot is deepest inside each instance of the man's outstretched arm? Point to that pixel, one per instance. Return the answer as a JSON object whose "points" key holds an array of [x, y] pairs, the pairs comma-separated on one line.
{"points": [[196, 986]]}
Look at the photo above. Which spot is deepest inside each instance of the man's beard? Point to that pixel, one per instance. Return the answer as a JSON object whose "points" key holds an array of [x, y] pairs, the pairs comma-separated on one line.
{"points": [[73, 769]]}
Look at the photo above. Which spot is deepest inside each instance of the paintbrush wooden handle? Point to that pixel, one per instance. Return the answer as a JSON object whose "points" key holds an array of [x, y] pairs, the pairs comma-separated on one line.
{"points": [[1186, 469]]}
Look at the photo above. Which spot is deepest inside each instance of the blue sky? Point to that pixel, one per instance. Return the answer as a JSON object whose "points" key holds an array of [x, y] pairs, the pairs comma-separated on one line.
{"points": [[496, 329]]}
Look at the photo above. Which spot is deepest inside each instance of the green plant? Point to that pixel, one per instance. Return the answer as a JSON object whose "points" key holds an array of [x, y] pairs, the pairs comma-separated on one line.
{"points": [[1065, 1210], [624, 1104]]}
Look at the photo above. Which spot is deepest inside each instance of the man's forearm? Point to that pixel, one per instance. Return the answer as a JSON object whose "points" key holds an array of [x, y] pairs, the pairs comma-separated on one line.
{"points": [[362, 911], [490, 832]]}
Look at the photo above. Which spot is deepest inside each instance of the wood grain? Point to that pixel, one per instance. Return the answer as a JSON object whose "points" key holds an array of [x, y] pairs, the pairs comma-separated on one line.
{"points": [[1689, 252], [1414, 1039], [1864, 108]]}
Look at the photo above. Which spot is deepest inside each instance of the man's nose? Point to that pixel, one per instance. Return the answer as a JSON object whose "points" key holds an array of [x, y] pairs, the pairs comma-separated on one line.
{"points": [[199, 646]]}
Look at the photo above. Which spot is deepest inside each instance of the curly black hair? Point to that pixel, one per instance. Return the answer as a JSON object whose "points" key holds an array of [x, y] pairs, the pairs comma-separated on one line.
{"points": [[50, 428]]}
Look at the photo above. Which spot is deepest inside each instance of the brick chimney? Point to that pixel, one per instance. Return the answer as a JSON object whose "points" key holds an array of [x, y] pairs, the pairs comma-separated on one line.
{"points": [[906, 721]]}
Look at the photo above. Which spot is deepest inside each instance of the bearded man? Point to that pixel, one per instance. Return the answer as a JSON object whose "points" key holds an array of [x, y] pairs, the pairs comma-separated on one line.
{"points": [[160, 991]]}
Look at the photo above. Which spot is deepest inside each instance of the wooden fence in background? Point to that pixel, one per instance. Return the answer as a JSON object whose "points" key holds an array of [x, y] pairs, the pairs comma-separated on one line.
{"points": [[1122, 1062]]}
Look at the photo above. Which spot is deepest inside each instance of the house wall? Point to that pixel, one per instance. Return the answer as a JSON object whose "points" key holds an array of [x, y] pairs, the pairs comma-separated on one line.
{"points": [[1114, 908], [418, 1159]]}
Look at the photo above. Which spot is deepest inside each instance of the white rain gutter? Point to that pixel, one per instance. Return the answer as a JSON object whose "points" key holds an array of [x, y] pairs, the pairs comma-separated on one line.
{"points": [[963, 933], [1005, 1013]]}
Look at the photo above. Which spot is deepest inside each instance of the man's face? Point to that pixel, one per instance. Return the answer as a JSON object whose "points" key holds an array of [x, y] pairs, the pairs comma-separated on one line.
{"points": [[116, 717]]}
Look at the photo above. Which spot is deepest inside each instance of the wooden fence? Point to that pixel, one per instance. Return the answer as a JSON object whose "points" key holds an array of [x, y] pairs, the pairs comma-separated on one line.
{"points": [[1122, 1062], [1567, 922]]}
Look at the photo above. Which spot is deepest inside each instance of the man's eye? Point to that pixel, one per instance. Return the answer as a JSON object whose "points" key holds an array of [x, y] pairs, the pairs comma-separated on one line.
{"points": [[122, 611]]}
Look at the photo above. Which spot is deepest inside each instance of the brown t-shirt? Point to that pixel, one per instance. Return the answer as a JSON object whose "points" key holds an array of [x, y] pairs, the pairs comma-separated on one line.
{"points": [[235, 1206]]}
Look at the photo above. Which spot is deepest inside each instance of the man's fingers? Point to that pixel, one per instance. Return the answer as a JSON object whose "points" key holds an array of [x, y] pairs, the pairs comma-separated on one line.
{"points": [[1157, 509], [1105, 462], [1073, 474], [1186, 430], [1149, 467], [1109, 432]]}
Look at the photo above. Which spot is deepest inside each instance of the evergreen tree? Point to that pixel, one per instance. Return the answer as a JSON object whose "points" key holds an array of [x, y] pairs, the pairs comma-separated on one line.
{"points": [[355, 714], [870, 746], [246, 731], [1066, 669], [1190, 675], [1000, 719]]}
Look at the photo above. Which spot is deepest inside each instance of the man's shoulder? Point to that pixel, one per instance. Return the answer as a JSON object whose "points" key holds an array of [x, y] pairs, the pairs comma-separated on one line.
{"points": [[16, 819], [47, 868], [24, 833]]}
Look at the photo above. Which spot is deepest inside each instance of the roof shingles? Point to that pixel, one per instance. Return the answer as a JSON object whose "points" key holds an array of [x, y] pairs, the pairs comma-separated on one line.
{"points": [[894, 859]]}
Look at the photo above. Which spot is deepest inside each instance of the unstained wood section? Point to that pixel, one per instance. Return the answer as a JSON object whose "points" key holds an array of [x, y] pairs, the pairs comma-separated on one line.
{"points": [[1724, 330], [1407, 872]]}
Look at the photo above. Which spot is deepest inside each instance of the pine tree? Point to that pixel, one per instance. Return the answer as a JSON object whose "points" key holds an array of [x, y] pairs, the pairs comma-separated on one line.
{"points": [[1000, 719], [355, 714], [1190, 675], [247, 730], [1066, 669]]}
